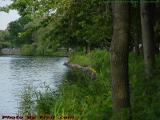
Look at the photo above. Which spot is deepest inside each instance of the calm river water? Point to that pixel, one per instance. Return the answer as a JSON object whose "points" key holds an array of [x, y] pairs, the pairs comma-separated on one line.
{"points": [[18, 72]]}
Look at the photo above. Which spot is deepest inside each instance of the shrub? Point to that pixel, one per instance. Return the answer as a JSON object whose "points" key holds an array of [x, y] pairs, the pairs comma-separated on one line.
{"points": [[28, 50]]}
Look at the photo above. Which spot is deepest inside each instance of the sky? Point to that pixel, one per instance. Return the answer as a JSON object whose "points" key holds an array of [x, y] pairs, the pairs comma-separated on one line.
{"points": [[6, 18]]}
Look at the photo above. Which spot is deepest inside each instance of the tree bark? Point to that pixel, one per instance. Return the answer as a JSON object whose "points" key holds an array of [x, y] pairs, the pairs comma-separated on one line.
{"points": [[119, 56], [148, 37]]}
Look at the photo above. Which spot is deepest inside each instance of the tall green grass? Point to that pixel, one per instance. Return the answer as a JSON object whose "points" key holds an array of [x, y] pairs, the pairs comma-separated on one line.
{"points": [[79, 96], [87, 99]]}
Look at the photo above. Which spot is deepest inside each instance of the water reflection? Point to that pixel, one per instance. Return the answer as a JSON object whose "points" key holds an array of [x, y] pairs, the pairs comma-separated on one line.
{"points": [[17, 73]]}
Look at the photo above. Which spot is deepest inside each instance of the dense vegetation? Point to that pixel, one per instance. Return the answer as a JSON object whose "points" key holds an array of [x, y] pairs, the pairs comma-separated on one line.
{"points": [[88, 99], [111, 38], [63, 24]]}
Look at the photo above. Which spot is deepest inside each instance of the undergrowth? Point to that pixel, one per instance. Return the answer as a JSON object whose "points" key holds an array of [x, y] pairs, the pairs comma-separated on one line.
{"points": [[87, 99]]}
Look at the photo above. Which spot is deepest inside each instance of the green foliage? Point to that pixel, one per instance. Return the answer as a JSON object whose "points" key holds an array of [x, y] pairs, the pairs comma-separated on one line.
{"points": [[79, 96], [33, 50], [27, 103], [63, 23], [81, 60], [45, 101], [46, 25], [4, 42], [91, 100], [144, 92], [122, 115], [28, 50], [15, 30]]}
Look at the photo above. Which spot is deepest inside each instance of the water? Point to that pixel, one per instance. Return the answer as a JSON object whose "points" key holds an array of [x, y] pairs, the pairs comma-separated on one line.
{"points": [[18, 72]]}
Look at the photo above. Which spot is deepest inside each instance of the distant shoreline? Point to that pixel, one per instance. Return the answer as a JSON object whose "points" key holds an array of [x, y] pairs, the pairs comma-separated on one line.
{"points": [[17, 51], [10, 51]]}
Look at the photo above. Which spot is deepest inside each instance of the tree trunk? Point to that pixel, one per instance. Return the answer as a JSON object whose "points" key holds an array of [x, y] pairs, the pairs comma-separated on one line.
{"points": [[119, 57], [148, 37]]}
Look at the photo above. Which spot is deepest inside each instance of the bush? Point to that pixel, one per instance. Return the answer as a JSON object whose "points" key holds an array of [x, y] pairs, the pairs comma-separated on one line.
{"points": [[28, 50], [33, 50]]}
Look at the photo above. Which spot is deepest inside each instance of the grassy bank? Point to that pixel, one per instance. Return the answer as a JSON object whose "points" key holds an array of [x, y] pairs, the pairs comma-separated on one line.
{"points": [[79, 96], [87, 99]]}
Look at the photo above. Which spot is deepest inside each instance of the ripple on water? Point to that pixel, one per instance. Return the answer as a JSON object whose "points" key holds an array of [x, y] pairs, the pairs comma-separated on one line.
{"points": [[19, 72]]}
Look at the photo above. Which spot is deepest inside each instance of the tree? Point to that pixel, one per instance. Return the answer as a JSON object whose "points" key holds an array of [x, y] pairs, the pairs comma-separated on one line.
{"points": [[148, 36], [119, 57], [4, 42], [15, 29]]}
